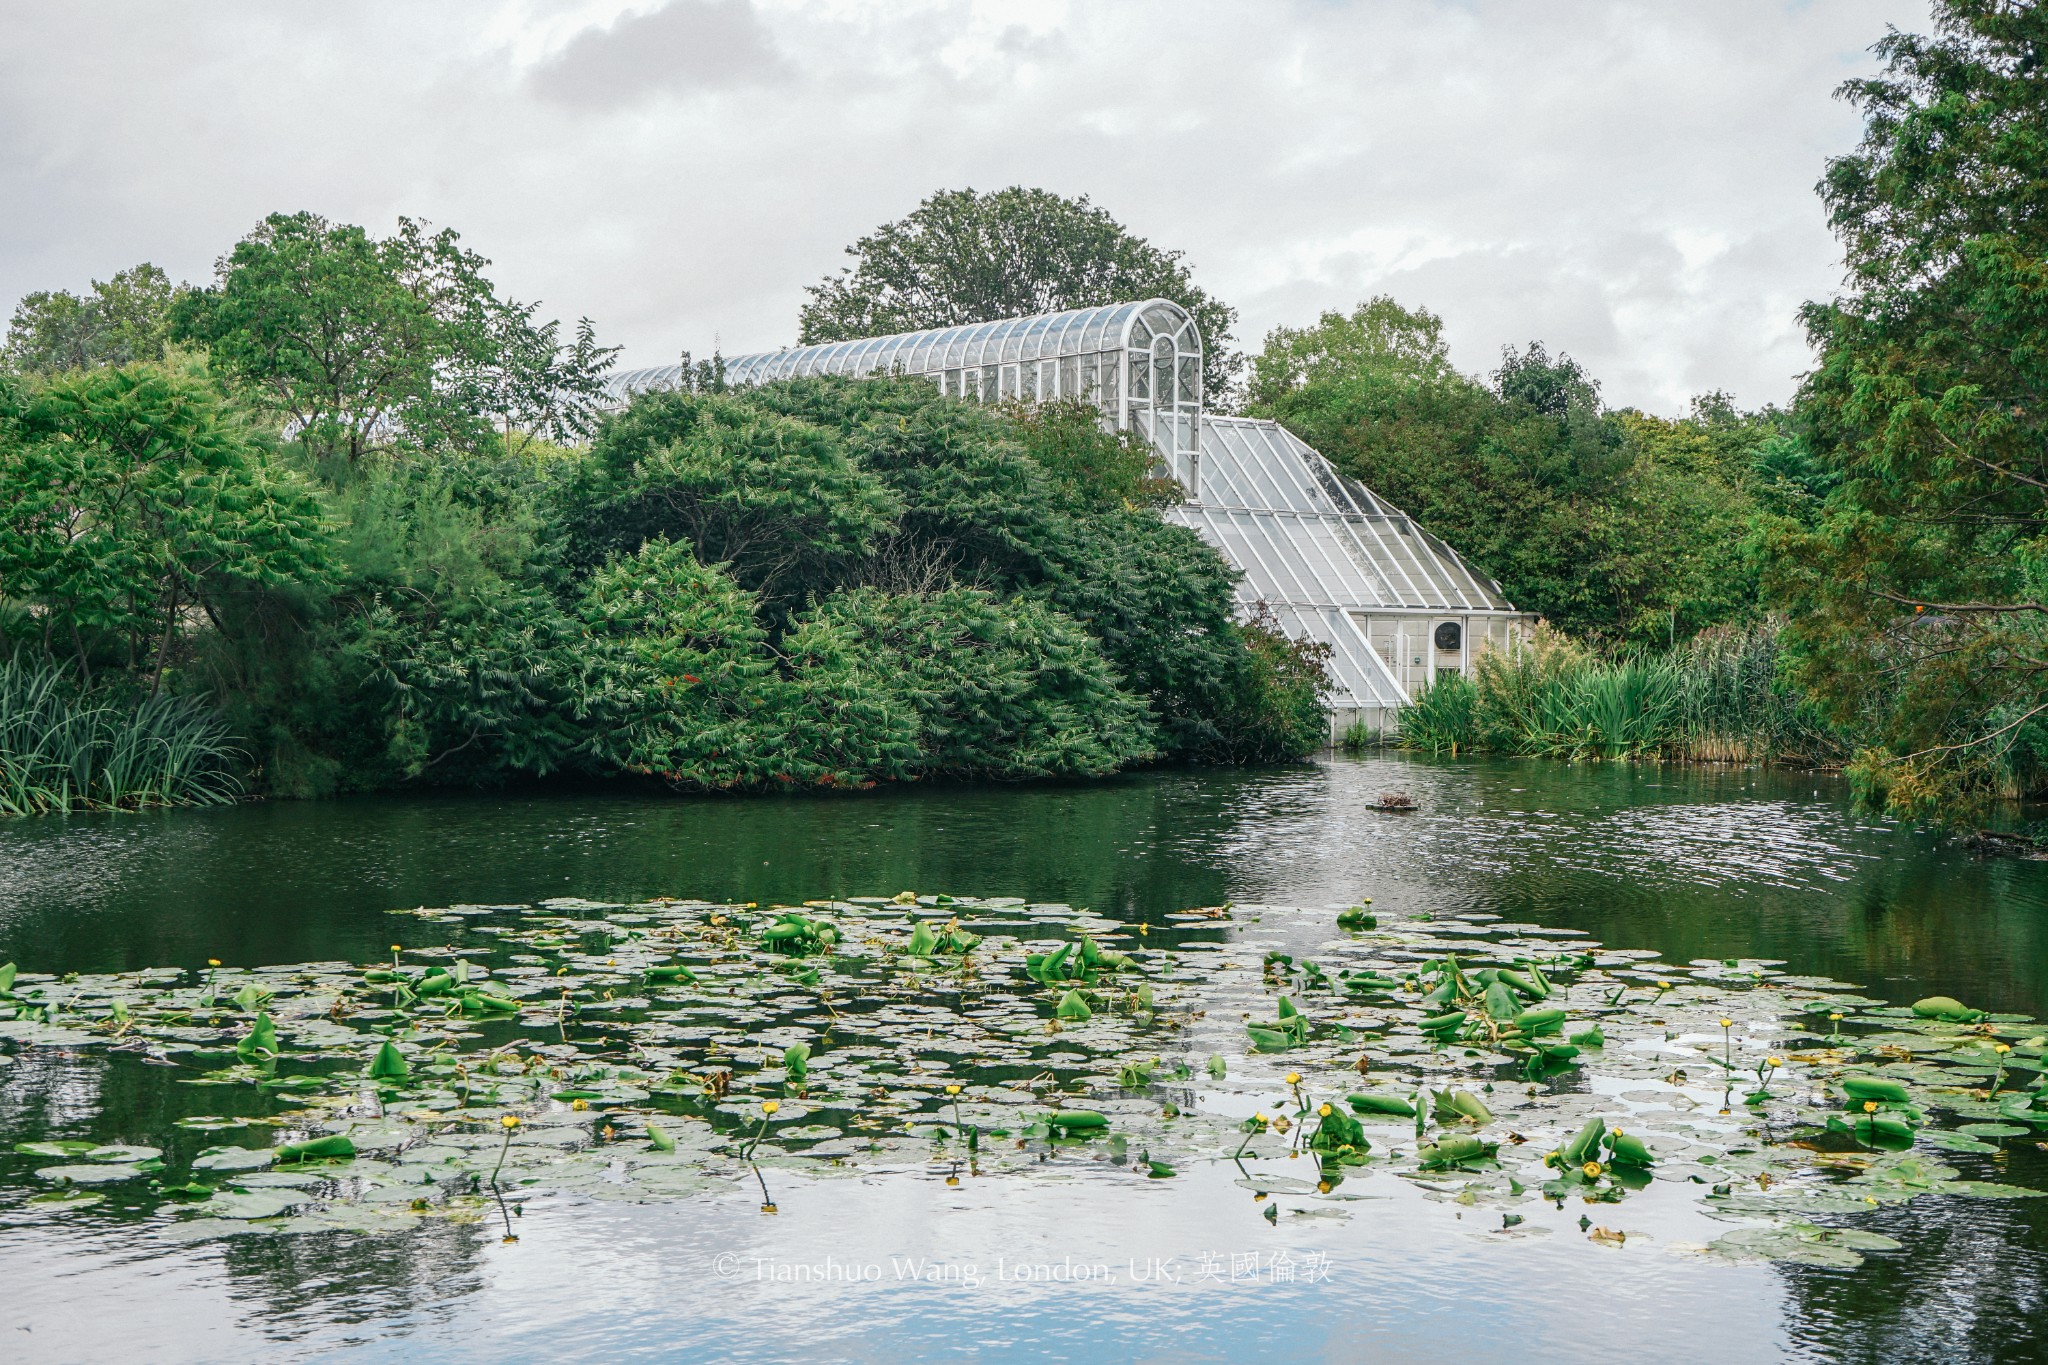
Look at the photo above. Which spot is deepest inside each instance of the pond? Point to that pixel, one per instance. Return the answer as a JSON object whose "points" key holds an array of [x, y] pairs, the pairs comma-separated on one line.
{"points": [[1758, 893]]}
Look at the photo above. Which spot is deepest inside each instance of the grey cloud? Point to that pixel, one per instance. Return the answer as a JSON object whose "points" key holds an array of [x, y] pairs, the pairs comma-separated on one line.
{"points": [[1628, 180], [684, 47]]}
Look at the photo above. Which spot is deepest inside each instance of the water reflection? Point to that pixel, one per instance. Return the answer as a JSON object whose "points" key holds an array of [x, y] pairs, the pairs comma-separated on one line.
{"points": [[1694, 863]]}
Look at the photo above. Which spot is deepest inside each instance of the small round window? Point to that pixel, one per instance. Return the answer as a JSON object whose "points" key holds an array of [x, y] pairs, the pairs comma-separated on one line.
{"points": [[1449, 636]]}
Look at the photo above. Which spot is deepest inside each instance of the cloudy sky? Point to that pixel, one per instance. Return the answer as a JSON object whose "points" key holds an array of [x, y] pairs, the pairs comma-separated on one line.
{"points": [[1628, 180]]}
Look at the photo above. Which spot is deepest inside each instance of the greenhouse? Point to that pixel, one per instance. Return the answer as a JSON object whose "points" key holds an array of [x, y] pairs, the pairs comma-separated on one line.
{"points": [[1329, 559]]}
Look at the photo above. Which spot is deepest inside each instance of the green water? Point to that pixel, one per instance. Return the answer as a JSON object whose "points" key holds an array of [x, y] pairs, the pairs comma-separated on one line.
{"points": [[1693, 863]]}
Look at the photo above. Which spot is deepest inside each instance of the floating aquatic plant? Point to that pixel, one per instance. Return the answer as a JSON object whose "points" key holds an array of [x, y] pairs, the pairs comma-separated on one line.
{"points": [[666, 1049]]}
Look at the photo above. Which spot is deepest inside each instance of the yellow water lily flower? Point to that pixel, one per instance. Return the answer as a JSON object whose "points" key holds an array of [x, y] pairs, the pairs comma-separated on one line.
{"points": [[770, 1106]]}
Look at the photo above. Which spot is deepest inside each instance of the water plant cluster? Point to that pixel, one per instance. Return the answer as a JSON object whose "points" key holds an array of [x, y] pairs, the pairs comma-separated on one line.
{"points": [[69, 747], [1716, 698], [671, 1050]]}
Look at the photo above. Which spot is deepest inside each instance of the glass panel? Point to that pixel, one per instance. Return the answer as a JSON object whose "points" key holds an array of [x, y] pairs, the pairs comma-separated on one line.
{"points": [[1190, 378], [1162, 373], [1101, 330], [1034, 337], [1112, 373], [1009, 381], [1164, 318], [1030, 394], [970, 382], [987, 348], [1137, 418], [1090, 389], [1141, 335], [1141, 369], [952, 383], [1070, 376], [1009, 334], [988, 385]]}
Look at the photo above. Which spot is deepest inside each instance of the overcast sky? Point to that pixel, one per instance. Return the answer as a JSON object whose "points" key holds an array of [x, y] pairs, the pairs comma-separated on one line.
{"points": [[1628, 180]]}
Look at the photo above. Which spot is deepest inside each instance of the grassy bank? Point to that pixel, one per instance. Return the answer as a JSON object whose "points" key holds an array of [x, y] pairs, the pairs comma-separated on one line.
{"points": [[1715, 699], [64, 747]]}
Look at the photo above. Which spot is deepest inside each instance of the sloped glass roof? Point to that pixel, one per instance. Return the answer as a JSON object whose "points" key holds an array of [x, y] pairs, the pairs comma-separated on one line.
{"points": [[1315, 546]]}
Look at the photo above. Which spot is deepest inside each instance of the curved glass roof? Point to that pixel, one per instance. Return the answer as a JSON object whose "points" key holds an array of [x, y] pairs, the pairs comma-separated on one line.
{"points": [[1008, 341]]}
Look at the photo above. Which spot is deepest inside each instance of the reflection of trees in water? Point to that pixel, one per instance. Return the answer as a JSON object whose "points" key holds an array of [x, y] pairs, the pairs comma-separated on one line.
{"points": [[49, 1090], [1643, 864], [313, 1282], [1970, 1285]]}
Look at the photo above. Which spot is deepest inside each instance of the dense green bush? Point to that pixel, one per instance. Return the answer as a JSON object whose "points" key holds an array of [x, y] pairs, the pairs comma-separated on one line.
{"points": [[375, 561]]}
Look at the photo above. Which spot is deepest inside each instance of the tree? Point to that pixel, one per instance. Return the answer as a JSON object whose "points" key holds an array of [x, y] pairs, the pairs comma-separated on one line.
{"points": [[963, 256], [1615, 526], [363, 345], [777, 500], [135, 499], [121, 321], [1379, 338], [1920, 594]]}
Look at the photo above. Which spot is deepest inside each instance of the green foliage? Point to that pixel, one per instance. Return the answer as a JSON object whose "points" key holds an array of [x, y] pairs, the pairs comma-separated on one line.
{"points": [[1096, 467], [679, 672], [1719, 698], [1441, 719], [823, 582], [65, 747], [363, 345], [776, 499], [1379, 338], [961, 256], [134, 496], [1277, 695], [121, 321], [1007, 689], [1614, 526], [1919, 585]]}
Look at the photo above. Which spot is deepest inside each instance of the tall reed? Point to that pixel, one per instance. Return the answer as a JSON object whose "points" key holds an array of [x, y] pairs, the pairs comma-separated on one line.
{"points": [[64, 747], [1716, 699]]}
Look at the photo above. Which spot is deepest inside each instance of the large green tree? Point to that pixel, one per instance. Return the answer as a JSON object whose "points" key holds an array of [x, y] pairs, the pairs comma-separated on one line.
{"points": [[363, 345], [1612, 525], [119, 321], [136, 500], [1921, 593], [963, 256]]}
